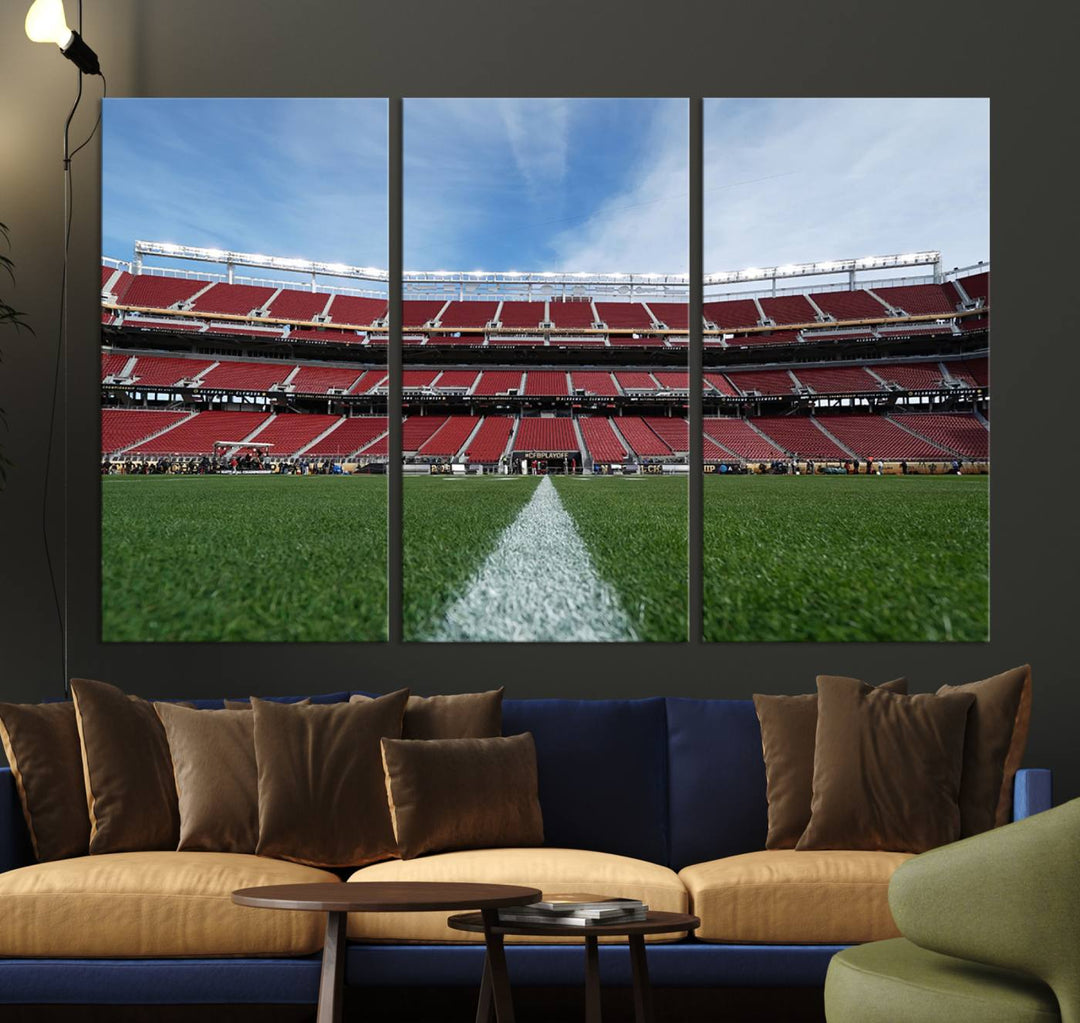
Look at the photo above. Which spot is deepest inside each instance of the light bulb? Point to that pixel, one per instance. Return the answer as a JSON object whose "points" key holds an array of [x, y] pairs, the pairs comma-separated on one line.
{"points": [[45, 23]]}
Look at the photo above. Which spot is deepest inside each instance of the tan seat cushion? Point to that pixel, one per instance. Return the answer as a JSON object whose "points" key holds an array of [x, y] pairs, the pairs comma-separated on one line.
{"points": [[785, 896], [550, 870], [152, 904]]}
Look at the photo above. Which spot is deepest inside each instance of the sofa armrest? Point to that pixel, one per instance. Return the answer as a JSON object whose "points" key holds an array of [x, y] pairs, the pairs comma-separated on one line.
{"points": [[15, 847], [1007, 898], [1032, 792]]}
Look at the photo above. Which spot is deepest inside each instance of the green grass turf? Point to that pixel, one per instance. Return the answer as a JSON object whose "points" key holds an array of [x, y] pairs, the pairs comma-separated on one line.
{"points": [[448, 527], [822, 558], [252, 559], [636, 532]]}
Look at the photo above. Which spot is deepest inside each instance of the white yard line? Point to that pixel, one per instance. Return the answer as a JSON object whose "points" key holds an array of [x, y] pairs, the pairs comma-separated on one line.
{"points": [[538, 585]]}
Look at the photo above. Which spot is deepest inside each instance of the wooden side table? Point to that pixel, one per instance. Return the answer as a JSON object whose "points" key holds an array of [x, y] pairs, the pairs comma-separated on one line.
{"points": [[338, 900], [496, 979]]}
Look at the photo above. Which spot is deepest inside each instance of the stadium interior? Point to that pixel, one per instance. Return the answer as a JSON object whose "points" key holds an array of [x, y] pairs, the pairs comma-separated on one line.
{"points": [[572, 376]]}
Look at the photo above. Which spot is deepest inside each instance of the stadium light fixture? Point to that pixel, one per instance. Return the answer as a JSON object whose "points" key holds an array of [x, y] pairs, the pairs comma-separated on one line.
{"points": [[46, 23]]}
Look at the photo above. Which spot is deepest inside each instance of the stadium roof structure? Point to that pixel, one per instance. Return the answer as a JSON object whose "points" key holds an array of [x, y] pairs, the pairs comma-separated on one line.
{"points": [[828, 267]]}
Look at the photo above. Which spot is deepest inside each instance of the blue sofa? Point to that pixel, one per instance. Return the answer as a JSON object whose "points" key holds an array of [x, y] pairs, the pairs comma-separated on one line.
{"points": [[668, 781]]}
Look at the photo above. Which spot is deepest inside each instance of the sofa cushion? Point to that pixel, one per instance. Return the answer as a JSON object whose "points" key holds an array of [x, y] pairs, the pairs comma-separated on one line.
{"points": [[550, 870], [896, 980], [602, 772], [787, 897], [717, 780], [153, 904]]}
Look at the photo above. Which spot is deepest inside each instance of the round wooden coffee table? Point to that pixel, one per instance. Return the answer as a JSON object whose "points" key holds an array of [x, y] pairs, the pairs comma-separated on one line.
{"points": [[338, 900], [495, 977]]}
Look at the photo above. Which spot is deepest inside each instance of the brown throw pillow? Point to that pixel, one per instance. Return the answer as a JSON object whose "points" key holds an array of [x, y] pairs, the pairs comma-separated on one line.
{"points": [[886, 769], [788, 725], [127, 770], [217, 781], [994, 746], [246, 704], [322, 797], [42, 746], [463, 793], [457, 716]]}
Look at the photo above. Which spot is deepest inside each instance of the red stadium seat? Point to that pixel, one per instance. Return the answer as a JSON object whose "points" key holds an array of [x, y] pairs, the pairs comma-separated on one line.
{"points": [[600, 439], [536, 433], [489, 442], [124, 428]]}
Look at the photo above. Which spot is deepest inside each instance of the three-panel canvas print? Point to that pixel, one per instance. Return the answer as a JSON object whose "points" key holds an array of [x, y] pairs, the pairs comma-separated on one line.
{"points": [[546, 443]]}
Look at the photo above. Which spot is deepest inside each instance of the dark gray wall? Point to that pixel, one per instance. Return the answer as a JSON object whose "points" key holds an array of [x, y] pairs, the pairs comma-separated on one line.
{"points": [[525, 47]]}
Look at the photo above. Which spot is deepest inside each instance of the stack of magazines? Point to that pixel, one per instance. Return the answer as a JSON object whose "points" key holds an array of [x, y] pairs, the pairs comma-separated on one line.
{"points": [[575, 909]]}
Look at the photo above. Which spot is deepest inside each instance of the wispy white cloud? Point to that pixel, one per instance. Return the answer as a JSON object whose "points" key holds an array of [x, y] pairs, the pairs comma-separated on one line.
{"points": [[802, 180]]}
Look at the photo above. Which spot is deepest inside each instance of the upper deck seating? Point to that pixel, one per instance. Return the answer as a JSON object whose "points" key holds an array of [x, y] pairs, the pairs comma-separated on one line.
{"points": [[673, 380], [625, 315], [912, 376], [836, 379], [418, 312], [233, 299], [788, 309], [546, 382], [631, 382], [294, 304], [163, 370], [319, 379], [357, 310], [850, 305], [455, 380], [369, 381], [921, 299], [730, 313], [675, 315], [494, 382], [594, 383], [571, 315], [467, 314], [247, 376], [417, 379], [977, 286], [152, 292], [522, 315], [763, 381], [720, 383]]}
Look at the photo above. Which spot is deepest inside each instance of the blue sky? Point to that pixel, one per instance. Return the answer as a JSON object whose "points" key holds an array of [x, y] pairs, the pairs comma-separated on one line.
{"points": [[304, 178], [801, 180], [546, 184]]}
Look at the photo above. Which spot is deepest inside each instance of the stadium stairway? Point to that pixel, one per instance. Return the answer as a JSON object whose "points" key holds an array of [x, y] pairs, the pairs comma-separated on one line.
{"points": [[622, 439], [891, 310], [586, 454], [763, 435], [468, 440]]}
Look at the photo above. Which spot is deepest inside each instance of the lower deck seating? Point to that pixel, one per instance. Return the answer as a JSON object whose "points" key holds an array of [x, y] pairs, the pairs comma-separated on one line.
{"points": [[641, 437], [672, 430], [799, 436], [600, 439], [959, 432], [197, 435], [288, 433], [877, 437], [546, 433], [354, 434], [416, 431], [122, 428], [489, 442], [741, 439], [448, 439]]}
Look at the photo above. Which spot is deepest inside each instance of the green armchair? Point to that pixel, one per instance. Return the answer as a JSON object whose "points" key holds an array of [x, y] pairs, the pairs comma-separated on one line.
{"points": [[991, 931]]}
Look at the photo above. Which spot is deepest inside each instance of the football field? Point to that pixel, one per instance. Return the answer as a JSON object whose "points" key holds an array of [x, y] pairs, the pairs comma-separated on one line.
{"points": [[249, 559], [545, 558], [844, 558]]}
